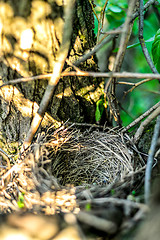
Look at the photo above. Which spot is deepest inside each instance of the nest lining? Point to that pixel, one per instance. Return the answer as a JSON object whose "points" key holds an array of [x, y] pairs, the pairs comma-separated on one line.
{"points": [[70, 161], [91, 157]]}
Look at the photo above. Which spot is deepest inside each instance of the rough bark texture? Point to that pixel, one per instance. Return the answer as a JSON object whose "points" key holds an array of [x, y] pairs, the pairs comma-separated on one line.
{"points": [[30, 35]]}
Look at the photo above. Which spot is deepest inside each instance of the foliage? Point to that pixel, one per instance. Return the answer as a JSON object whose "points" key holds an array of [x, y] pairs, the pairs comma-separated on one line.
{"points": [[20, 201], [100, 106]]}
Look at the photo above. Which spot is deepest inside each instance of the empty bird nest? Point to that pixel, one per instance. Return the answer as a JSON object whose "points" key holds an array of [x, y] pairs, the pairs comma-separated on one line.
{"points": [[70, 161]]}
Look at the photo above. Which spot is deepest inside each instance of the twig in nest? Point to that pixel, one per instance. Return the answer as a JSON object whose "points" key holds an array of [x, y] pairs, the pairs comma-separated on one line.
{"points": [[62, 55], [97, 222], [126, 204], [150, 159], [3, 166], [7, 157]]}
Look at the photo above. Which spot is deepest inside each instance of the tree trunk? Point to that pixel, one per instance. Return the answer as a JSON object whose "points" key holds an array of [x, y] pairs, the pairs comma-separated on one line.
{"points": [[30, 36]]}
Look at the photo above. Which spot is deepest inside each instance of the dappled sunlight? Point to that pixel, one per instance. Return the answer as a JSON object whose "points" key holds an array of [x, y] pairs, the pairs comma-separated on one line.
{"points": [[18, 36], [26, 43], [6, 11], [40, 10], [26, 39], [26, 107], [67, 92]]}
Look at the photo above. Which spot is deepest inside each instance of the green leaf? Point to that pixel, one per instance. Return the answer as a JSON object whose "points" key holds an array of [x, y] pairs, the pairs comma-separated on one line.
{"points": [[115, 9], [99, 110], [156, 50], [88, 207], [20, 201], [133, 192], [150, 40]]}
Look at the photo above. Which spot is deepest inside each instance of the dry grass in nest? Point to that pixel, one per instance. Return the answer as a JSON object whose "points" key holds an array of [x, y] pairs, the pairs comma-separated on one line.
{"points": [[91, 157], [61, 163]]}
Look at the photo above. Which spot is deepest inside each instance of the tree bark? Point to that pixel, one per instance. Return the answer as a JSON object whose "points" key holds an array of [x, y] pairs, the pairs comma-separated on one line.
{"points": [[30, 36]]}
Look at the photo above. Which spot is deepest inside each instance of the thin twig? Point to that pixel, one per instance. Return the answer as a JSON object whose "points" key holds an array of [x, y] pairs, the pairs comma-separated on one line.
{"points": [[103, 12], [80, 73], [146, 6], [140, 130], [94, 10], [141, 117], [110, 86], [61, 58], [150, 160], [136, 85], [4, 154], [106, 39], [123, 43], [116, 201], [101, 20], [141, 38]]}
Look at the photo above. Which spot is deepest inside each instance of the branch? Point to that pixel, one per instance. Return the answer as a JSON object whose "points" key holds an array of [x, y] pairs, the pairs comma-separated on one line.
{"points": [[116, 201], [123, 43], [61, 58], [141, 117], [136, 85], [150, 160], [104, 40], [140, 130], [80, 73], [141, 38], [101, 20], [110, 86]]}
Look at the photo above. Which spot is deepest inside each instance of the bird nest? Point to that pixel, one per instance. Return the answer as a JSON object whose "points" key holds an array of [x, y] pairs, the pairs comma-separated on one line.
{"points": [[67, 162], [84, 158], [91, 157]]}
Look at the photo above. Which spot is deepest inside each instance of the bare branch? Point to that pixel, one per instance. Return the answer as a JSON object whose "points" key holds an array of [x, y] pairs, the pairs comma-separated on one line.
{"points": [[101, 20], [123, 42], [141, 38], [141, 117], [110, 86], [136, 85], [140, 130], [150, 160], [80, 73]]}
